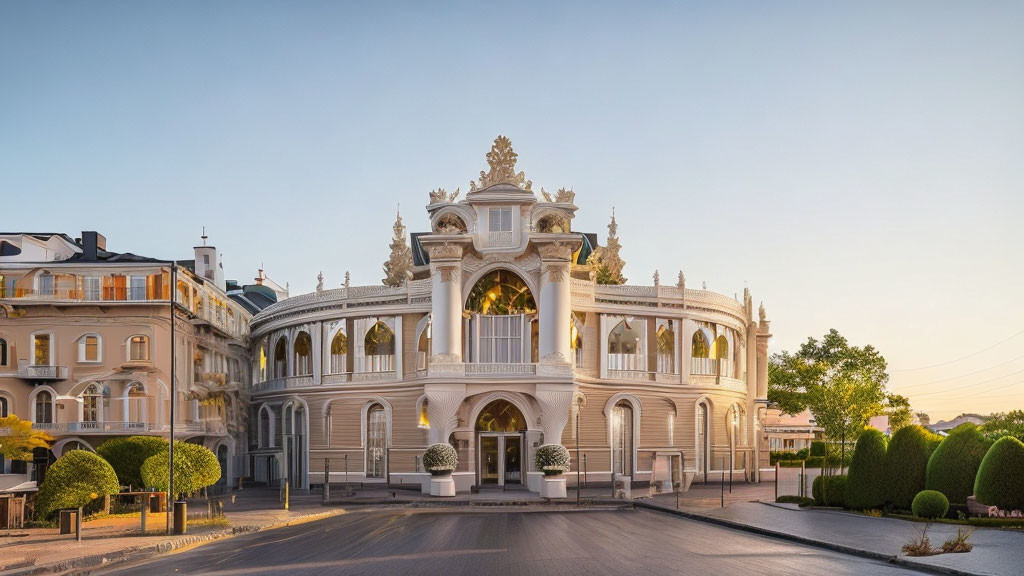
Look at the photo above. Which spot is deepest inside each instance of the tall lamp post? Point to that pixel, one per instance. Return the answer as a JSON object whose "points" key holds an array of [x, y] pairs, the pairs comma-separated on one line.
{"points": [[170, 472]]}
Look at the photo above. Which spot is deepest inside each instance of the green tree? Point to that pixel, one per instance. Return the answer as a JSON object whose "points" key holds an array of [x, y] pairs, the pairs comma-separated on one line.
{"points": [[126, 455], [195, 468], [866, 482], [897, 408], [75, 479], [954, 464], [842, 385], [923, 418], [906, 464], [1000, 480], [18, 439], [1005, 424]]}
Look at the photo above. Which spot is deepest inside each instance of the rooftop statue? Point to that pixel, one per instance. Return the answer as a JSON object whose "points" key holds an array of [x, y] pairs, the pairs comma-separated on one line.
{"points": [[440, 196], [502, 162]]}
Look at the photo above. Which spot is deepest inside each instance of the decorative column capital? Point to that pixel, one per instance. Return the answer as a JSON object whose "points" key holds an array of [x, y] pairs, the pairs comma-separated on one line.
{"points": [[445, 251], [558, 251]]}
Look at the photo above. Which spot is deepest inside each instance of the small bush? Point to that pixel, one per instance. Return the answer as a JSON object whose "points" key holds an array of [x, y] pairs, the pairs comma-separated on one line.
{"points": [[959, 544], [195, 468], [440, 457], [552, 459], [818, 490], [866, 482], [835, 491], [781, 456], [906, 464], [954, 464], [126, 455], [1000, 480], [930, 504], [921, 545], [75, 479]]}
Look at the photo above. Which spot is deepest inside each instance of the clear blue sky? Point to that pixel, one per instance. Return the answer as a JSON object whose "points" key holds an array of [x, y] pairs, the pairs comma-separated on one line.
{"points": [[860, 166]]}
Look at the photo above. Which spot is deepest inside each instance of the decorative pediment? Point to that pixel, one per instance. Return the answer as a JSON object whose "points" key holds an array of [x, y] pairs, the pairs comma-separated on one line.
{"points": [[555, 251], [502, 162], [442, 251]]}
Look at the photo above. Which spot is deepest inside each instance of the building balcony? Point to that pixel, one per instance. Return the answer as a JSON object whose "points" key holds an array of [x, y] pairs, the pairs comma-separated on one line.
{"points": [[100, 427], [73, 296], [502, 370], [43, 372]]}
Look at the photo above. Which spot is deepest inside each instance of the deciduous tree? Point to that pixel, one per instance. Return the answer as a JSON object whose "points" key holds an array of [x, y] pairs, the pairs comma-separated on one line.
{"points": [[18, 439]]}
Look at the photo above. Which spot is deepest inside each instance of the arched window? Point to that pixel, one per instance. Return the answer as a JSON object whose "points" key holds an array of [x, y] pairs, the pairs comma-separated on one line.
{"points": [[450, 224], [280, 358], [376, 441], [423, 347], [303, 355], [89, 348], [378, 349], [667, 348], [266, 436], [622, 439], [722, 362], [44, 408], [135, 405], [3, 407], [339, 353], [499, 306], [626, 346], [91, 404], [262, 367], [576, 342], [3, 352], [138, 349], [700, 354], [703, 440]]}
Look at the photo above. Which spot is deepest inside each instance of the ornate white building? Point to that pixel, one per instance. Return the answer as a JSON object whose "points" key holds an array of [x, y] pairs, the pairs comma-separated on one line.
{"points": [[500, 342]]}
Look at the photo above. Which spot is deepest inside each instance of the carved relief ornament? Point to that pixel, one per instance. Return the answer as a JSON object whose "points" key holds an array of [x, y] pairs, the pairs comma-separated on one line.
{"points": [[442, 251], [556, 272], [448, 273], [555, 251]]}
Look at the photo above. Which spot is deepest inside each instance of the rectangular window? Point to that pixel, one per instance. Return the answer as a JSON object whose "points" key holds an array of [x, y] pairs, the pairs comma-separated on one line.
{"points": [[139, 348], [42, 349], [138, 288], [90, 351], [91, 288], [500, 219], [46, 284]]}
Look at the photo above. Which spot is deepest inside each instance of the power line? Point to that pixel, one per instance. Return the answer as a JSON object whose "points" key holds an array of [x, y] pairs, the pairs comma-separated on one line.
{"points": [[988, 391], [919, 384], [961, 358], [969, 385]]}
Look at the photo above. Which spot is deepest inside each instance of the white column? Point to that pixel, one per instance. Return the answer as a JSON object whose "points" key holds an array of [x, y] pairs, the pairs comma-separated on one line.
{"points": [[316, 339], [446, 302], [399, 347], [555, 303], [602, 346]]}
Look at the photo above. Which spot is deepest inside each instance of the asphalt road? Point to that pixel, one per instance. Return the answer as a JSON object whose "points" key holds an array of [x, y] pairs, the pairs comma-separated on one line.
{"points": [[502, 543]]}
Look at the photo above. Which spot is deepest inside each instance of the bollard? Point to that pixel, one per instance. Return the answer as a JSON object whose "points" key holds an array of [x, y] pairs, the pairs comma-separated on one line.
{"points": [[327, 480], [287, 485], [346, 476], [78, 525], [776, 480], [180, 517], [145, 511], [723, 488], [803, 478]]}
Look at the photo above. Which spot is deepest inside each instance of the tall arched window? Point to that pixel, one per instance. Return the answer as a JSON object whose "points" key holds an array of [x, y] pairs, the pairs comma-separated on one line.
{"points": [[703, 440], [700, 354], [303, 355], [339, 353], [3, 407], [138, 348], [91, 404], [626, 346], [722, 361], [135, 404], [376, 441], [378, 349], [3, 352], [667, 348], [281, 358], [265, 431], [622, 439], [44, 408], [261, 367], [499, 307], [423, 348]]}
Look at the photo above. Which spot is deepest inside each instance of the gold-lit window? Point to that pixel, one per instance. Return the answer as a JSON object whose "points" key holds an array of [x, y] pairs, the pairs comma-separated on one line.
{"points": [[42, 349], [138, 348]]}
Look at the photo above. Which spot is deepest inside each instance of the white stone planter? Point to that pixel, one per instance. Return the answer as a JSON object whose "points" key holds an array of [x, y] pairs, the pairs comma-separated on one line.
{"points": [[553, 486], [442, 485]]}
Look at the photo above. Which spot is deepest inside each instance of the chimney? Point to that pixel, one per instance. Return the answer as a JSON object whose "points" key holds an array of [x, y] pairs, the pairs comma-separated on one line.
{"points": [[92, 243]]}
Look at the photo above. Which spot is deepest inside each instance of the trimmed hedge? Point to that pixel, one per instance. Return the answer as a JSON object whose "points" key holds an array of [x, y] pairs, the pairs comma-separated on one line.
{"points": [[818, 490], [866, 482], [75, 479], [906, 464], [954, 464], [817, 448], [930, 504], [126, 455], [195, 467], [835, 490], [1000, 480]]}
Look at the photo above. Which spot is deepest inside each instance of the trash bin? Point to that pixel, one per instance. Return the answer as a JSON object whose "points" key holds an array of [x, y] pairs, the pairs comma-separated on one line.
{"points": [[68, 519], [180, 517]]}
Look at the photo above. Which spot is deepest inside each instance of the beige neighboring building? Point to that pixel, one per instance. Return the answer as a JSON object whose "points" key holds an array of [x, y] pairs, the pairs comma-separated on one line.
{"points": [[85, 347], [499, 342], [789, 432]]}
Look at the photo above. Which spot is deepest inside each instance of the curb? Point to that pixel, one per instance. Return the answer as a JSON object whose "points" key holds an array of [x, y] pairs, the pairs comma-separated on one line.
{"points": [[86, 564], [842, 549]]}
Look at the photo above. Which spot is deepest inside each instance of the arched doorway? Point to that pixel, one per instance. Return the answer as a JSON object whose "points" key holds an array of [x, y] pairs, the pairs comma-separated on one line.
{"points": [[499, 431]]}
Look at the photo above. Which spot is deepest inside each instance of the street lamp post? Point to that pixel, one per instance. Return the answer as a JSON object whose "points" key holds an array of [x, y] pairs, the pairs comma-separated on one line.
{"points": [[170, 472]]}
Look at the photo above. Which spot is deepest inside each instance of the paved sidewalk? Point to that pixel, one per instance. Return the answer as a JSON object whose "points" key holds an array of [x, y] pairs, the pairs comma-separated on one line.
{"points": [[996, 552], [109, 540]]}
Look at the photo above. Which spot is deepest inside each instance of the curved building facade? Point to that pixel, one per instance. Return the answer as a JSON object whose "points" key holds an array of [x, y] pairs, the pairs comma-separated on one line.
{"points": [[501, 341]]}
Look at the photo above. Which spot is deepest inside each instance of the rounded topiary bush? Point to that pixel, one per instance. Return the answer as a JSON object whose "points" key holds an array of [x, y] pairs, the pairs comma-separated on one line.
{"points": [[1000, 480], [930, 504], [195, 468], [440, 458], [552, 459], [954, 464], [126, 455], [866, 482], [835, 490], [906, 464], [75, 479], [818, 490]]}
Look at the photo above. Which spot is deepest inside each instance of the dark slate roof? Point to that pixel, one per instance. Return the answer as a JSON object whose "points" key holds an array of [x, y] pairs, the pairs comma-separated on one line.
{"points": [[419, 255]]}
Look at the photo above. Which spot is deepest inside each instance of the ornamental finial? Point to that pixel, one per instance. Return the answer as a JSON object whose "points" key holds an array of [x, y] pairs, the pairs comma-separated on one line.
{"points": [[681, 282], [320, 282], [502, 162]]}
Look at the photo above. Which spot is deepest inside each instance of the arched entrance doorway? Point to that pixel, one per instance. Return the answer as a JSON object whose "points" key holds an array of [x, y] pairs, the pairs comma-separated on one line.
{"points": [[499, 431]]}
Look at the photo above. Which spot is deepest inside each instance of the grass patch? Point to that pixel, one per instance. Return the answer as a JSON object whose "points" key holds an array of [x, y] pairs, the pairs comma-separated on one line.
{"points": [[800, 500]]}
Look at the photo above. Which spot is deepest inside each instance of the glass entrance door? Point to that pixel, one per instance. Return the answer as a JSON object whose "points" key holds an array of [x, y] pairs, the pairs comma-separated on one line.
{"points": [[500, 458]]}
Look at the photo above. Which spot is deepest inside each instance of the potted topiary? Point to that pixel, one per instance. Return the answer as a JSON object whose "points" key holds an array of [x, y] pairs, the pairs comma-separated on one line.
{"points": [[440, 460], [553, 461]]}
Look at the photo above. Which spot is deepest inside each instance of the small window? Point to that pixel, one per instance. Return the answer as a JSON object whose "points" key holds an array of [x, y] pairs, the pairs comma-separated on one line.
{"points": [[3, 407], [500, 219], [89, 348], [138, 348], [3, 352], [138, 288], [41, 345], [206, 259], [45, 284], [91, 288], [44, 408]]}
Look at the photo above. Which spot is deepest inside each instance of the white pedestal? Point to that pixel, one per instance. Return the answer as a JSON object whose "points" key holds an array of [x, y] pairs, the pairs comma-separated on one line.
{"points": [[442, 486], [553, 487], [533, 481]]}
